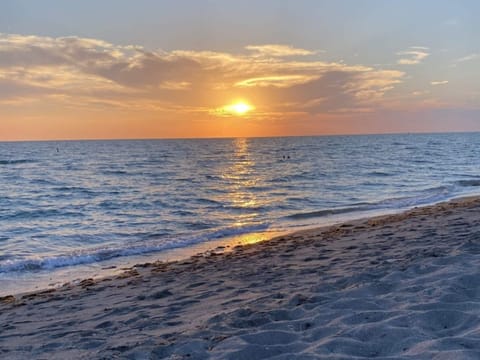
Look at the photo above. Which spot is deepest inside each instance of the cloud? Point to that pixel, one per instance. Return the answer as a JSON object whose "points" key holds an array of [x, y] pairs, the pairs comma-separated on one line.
{"points": [[95, 72], [443, 82], [18, 50], [469, 58], [172, 85], [420, 93], [451, 22], [278, 50], [413, 56], [276, 80]]}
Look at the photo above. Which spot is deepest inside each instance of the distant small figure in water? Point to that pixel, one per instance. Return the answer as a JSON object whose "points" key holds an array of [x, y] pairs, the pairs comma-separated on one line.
{"points": [[58, 150]]}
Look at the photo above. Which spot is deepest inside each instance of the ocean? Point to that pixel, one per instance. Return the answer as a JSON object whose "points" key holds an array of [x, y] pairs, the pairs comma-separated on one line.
{"points": [[72, 208]]}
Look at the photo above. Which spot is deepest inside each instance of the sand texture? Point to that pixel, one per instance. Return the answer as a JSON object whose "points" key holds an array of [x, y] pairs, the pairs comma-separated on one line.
{"points": [[403, 286]]}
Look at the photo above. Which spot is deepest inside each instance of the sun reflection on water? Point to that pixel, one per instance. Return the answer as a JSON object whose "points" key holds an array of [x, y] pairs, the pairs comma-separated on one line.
{"points": [[240, 179]]}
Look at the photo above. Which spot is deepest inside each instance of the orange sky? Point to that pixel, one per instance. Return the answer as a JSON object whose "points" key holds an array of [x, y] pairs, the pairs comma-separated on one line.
{"points": [[297, 82]]}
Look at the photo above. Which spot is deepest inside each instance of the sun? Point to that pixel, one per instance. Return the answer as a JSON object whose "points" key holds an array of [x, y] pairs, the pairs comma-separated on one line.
{"points": [[239, 108], [236, 108]]}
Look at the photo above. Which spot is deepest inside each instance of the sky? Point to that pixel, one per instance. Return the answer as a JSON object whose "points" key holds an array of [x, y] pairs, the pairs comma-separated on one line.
{"points": [[222, 68]]}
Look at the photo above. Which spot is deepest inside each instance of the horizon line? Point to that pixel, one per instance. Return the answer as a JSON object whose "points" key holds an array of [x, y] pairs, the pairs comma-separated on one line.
{"points": [[242, 137]]}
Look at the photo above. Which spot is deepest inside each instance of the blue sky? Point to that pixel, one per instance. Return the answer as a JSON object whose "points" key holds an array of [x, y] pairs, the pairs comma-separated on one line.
{"points": [[427, 54], [343, 27]]}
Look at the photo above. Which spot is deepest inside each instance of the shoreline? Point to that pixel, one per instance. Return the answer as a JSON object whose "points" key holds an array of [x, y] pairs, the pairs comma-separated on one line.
{"points": [[65, 276], [71, 275], [360, 288]]}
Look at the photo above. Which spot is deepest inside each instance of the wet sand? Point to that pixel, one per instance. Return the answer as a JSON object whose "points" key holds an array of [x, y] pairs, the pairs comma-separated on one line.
{"points": [[403, 286]]}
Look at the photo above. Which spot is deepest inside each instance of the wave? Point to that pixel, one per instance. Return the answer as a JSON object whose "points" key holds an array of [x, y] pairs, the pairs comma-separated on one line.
{"points": [[421, 161], [115, 172], [97, 255], [213, 177], [468, 183], [39, 214], [205, 201], [379, 174], [16, 162], [428, 196], [69, 190], [326, 212]]}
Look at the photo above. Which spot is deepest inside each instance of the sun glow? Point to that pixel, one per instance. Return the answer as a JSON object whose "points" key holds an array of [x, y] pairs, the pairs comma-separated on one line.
{"points": [[238, 108]]}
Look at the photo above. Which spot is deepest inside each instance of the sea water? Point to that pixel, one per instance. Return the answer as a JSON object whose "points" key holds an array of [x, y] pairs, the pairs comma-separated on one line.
{"points": [[66, 207]]}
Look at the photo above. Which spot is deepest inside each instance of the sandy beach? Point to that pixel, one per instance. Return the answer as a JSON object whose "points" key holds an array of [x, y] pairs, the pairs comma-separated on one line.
{"points": [[403, 286]]}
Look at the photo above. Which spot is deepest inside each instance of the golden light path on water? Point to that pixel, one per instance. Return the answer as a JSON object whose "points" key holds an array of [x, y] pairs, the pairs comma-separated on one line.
{"points": [[239, 179]]}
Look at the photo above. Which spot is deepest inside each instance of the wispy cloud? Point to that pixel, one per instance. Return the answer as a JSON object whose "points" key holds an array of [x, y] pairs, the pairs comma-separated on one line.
{"points": [[443, 82], [451, 22], [469, 58], [276, 81], [273, 50], [420, 93], [413, 56]]}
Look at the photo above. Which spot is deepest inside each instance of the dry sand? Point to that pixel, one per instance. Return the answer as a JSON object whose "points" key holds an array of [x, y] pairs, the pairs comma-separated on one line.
{"points": [[402, 286]]}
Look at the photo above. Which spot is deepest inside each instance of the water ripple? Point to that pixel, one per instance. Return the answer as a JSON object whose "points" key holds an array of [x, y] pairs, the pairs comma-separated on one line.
{"points": [[94, 200]]}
